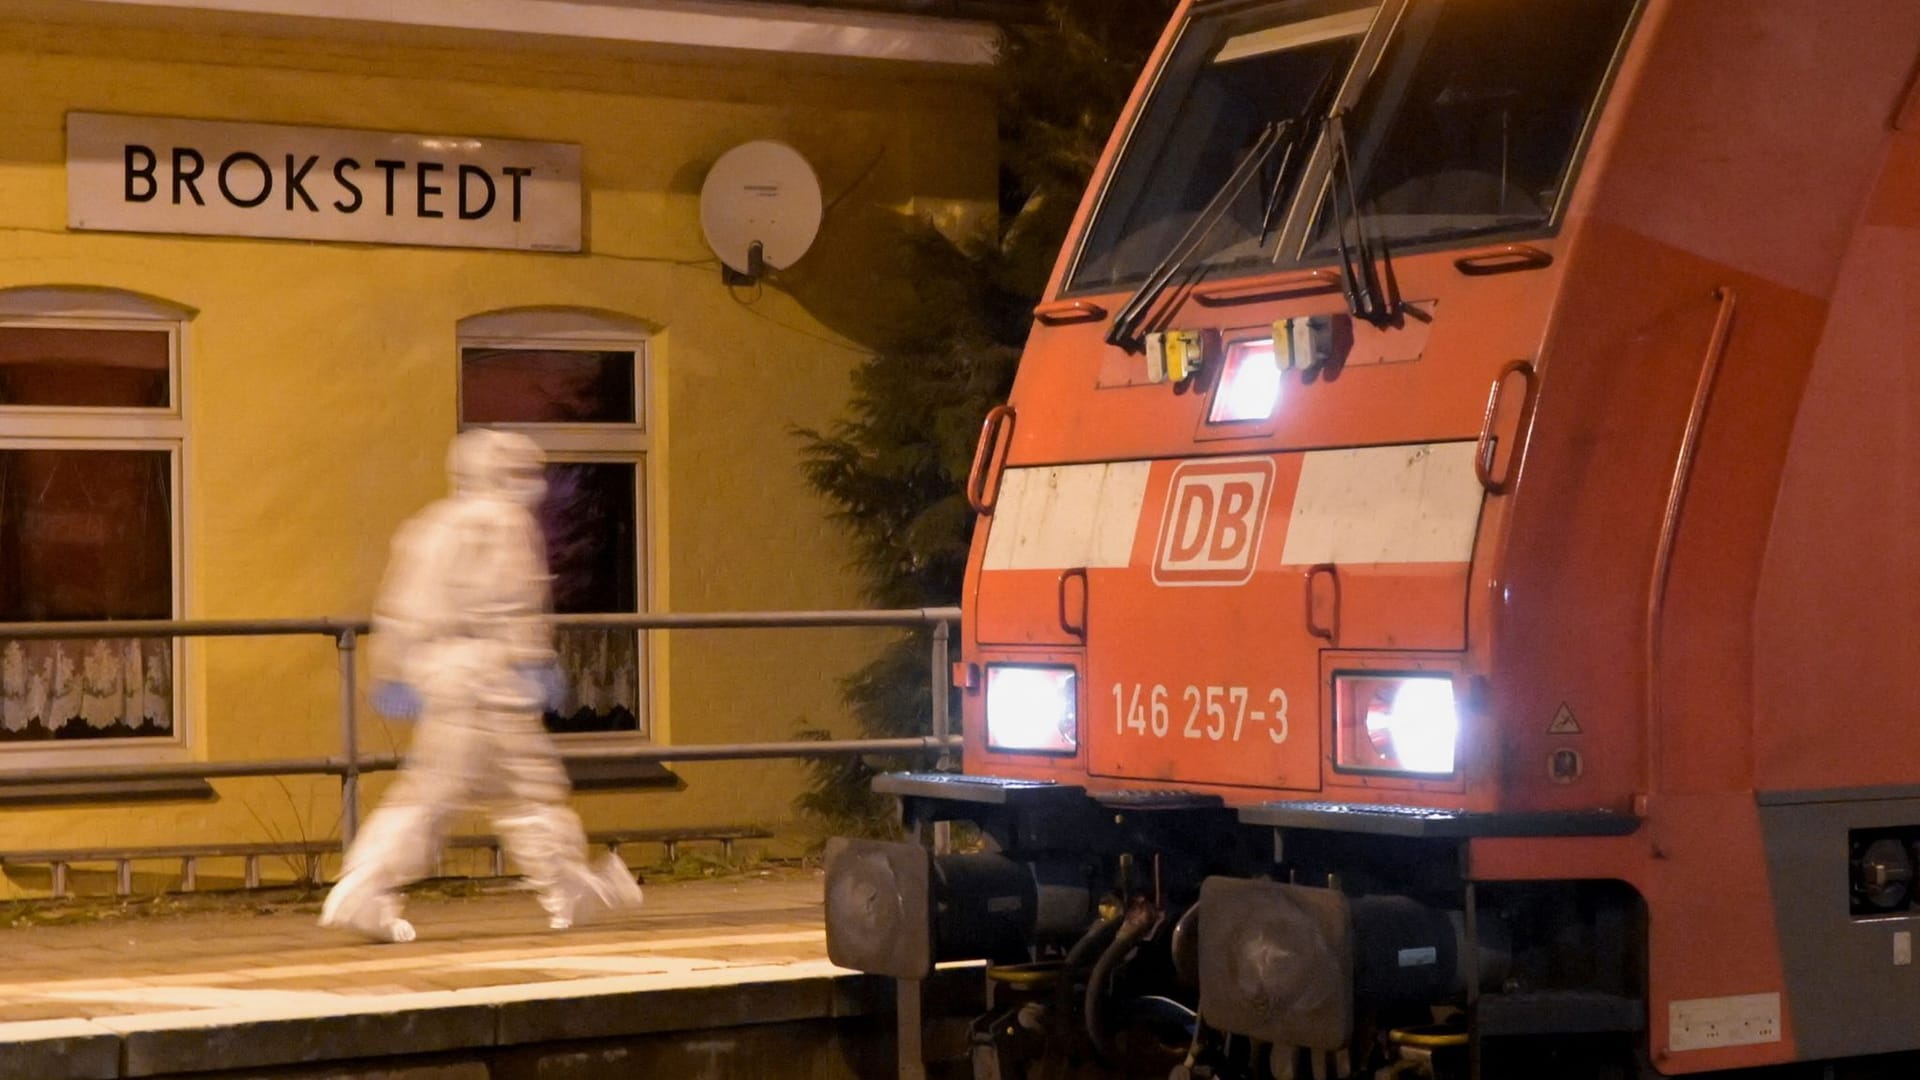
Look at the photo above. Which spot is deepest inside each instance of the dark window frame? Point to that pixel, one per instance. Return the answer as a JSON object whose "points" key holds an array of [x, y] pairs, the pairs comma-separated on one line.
{"points": [[587, 443], [112, 428]]}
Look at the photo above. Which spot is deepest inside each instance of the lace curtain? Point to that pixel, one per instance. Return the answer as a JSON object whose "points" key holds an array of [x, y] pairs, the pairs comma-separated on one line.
{"points": [[603, 680], [105, 688], [120, 688]]}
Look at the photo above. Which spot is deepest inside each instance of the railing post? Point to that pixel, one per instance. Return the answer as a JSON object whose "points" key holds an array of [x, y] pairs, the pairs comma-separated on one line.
{"points": [[345, 643], [940, 685]]}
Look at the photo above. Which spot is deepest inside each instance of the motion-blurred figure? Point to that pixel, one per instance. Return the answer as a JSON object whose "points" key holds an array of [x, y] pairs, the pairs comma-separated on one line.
{"points": [[461, 640]]}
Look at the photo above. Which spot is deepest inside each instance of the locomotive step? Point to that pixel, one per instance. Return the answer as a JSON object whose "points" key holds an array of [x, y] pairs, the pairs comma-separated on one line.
{"points": [[1388, 819], [1158, 799], [992, 790]]}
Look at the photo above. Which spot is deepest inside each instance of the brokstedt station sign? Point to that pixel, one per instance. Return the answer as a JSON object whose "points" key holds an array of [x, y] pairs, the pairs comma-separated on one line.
{"points": [[165, 175]]}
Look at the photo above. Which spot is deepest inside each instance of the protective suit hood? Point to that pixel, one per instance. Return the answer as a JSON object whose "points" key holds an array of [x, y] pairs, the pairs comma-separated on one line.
{"points": [[487, 464]]}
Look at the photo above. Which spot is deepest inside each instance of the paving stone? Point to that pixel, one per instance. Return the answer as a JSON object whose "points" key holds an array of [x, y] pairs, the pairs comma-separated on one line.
{"points": [[24, 1011], [469, 980]]}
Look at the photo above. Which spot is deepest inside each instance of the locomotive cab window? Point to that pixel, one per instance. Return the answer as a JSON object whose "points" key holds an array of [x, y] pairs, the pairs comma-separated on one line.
{"points": [[1232, 119], [1471, 123]]}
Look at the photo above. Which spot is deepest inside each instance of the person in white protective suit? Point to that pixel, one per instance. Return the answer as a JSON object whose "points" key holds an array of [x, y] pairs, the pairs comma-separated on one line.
{"points": [[461, 639]]}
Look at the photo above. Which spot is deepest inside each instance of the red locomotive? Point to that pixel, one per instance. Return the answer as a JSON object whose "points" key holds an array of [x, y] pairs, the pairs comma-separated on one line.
{"points": [[1445, 593]]}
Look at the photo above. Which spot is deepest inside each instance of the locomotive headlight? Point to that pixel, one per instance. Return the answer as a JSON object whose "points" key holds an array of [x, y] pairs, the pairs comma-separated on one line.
{"points": [[1396, 723], [1249, 383], [1033, 709]]}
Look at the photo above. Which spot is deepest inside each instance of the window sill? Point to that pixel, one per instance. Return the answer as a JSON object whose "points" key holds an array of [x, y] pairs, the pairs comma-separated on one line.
{"points": [[601, 775], [73, 792]]}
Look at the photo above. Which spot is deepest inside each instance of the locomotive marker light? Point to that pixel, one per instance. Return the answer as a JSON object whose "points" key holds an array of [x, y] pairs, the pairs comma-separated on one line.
{"points": [[1396, 723], [1883, 876], [1313, 340], [1032, 709], [1175, 355]]}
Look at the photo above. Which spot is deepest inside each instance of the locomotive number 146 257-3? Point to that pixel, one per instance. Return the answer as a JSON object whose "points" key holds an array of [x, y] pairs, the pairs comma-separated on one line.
{"points": [[1215, 713]]}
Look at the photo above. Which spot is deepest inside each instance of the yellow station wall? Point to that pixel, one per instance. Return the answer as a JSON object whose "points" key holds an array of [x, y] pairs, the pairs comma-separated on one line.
{"points": [[319, 379]]}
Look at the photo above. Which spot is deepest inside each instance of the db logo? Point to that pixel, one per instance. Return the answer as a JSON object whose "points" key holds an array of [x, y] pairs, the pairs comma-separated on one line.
{"points": [[1210, 530]]}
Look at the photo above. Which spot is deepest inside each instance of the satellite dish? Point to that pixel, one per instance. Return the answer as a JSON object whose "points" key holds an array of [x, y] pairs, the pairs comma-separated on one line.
{"points": [[759, 207]]}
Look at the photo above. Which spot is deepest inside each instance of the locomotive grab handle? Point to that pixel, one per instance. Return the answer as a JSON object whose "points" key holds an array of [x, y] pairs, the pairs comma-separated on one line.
{"points": [[1060, 312], [1483, 453], [1670, 520], [987, 464], [1330, 633], [1293, 283], [1503, 259], [1078, 630]]}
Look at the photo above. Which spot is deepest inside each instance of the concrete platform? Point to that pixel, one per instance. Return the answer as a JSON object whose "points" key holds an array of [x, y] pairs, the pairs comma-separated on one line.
{"points": [[208, 993]]}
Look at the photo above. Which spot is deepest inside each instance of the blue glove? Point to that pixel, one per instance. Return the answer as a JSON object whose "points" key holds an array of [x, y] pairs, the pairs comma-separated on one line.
{"points": [[549, 683], [397, 699]]}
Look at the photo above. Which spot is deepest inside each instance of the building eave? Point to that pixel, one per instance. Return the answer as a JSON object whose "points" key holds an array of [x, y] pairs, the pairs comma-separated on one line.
{"points": [[691, 24]]}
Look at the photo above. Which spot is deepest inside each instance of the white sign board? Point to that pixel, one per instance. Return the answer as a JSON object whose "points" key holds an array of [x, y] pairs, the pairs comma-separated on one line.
{"points": [[159, 175]]}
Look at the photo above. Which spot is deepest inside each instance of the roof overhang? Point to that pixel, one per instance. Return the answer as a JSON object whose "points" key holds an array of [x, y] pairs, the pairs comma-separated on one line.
{"points": [[692, 24]]}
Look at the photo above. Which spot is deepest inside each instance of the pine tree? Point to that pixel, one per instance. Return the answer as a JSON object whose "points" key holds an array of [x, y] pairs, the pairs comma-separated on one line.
{"points": [[896, 465]]}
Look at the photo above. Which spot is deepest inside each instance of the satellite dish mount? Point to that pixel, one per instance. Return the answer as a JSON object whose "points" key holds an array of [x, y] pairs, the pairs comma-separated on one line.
{"points": [[756, 265]]}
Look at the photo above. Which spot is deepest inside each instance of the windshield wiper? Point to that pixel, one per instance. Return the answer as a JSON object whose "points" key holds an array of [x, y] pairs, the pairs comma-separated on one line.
{"points": [[1126, 324], [1359, 273], [1277, 189]]}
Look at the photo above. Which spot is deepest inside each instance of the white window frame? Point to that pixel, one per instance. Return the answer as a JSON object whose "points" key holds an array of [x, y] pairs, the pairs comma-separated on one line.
{"points": [[161, 428], [612, 443]]}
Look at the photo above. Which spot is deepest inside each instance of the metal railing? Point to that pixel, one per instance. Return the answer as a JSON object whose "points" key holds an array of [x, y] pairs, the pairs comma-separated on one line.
{"points": [[349, 764]]}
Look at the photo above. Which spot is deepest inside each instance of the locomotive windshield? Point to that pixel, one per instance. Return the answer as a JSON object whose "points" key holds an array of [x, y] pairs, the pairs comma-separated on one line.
{"points": [[1467, 126], [1230, 80]]}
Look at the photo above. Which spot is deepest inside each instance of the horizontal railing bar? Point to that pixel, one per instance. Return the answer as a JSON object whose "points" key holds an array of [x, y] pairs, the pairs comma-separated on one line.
{"points": [[214, 770], [748, 620], [708, 620], [796, 748], [628, 837], [463, 842], [172, 770], [151, 628], [799, 748], [171, 851]]}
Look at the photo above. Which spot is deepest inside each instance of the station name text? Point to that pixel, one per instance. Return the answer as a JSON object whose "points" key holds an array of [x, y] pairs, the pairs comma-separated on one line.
{"points": [[159, 174], [245, 180]]}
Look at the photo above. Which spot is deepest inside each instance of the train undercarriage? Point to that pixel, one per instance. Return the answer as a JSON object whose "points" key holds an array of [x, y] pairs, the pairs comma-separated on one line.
{"points": [[1165, 934]]}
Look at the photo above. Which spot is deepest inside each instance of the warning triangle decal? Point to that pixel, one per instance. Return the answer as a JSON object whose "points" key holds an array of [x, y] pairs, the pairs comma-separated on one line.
{"points": [[1563, 722]]}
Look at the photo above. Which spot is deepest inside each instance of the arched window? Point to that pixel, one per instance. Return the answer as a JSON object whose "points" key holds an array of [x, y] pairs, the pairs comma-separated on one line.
{"points": [[91, 436], [576, 383]]}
